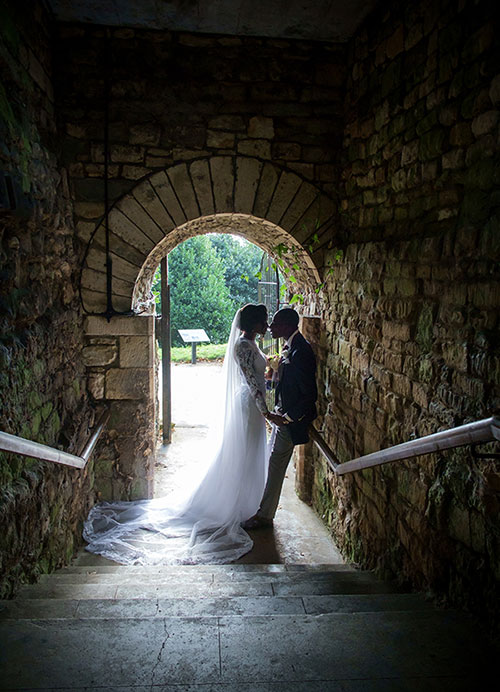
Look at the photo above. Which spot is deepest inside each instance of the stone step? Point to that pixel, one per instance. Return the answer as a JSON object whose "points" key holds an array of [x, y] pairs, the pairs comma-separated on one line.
{"points": [[46, 609], [193, 569], [202, 577], [104, 586], [415, 650]]}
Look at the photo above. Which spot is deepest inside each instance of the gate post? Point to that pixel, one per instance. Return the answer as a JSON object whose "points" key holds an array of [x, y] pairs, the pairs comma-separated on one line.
{"points": [[119, 356]]}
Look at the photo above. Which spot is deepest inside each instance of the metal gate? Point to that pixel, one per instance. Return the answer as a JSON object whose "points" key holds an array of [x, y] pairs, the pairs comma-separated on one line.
{"points": [[268, 293]]}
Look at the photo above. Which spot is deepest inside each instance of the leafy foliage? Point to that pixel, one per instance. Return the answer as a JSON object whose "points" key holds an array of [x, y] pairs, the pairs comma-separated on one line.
{"points": [[241, 261], [208, 283]]}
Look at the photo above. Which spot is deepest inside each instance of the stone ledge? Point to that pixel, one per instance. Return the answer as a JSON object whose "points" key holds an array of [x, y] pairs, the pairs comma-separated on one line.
{"points": [[133, 325]]}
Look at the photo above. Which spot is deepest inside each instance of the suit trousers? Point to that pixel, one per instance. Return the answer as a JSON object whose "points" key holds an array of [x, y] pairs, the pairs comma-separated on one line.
{"points": [[278, 462]]}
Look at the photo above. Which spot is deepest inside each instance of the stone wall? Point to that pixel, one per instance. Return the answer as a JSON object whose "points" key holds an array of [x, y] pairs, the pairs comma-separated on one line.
{"points": [[120, 360], [411, 307], [42, 383], [192, 118]]}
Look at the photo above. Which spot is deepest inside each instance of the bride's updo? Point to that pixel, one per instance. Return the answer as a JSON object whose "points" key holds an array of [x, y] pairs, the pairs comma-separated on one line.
{"points": [[251, 315]]}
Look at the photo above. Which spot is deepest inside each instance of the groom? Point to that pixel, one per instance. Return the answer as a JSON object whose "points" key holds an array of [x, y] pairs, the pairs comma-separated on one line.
{"points": [[296, 396]]}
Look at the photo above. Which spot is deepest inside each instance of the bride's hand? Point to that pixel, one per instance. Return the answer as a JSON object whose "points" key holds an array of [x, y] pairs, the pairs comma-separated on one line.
{"points": [[277, 419]]}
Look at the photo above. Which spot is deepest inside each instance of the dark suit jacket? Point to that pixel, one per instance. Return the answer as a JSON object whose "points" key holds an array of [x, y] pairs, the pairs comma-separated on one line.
{"points": [[297, 388]]}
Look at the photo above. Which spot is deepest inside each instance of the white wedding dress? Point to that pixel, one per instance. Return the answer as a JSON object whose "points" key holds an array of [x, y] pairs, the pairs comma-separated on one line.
{"points": [[205, 526]]}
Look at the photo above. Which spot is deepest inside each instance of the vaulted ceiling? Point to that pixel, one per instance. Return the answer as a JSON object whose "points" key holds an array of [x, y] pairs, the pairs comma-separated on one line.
{"points": [[322, 20]]}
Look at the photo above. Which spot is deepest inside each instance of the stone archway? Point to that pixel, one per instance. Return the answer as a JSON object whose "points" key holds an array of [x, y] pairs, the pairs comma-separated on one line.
{"points": [[266, 204], [258, 231], [269, 204]]}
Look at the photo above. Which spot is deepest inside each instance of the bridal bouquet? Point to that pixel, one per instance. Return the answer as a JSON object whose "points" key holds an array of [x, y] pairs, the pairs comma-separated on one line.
{"points": [[273, 361]]}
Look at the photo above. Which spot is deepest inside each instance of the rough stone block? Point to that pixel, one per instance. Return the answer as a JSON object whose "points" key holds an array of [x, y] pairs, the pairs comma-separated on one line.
{"points": [[134, 172], [283, 196], [289, 151], [200, 175], [126, 154], [260, 127], [89, 210], [220, 139], [484, 123], [136, 352], [260, 148], [135, 212], [318, 215], [268, 181], [453, 159], [95, 383], [221, 168], [303, 199], [181, 183], [396, 330], [163, 189], [148, 199], [247, 181], [128, 231], [99, 354], [119, 326], [147, 133], [227, 122], [130, 383]]}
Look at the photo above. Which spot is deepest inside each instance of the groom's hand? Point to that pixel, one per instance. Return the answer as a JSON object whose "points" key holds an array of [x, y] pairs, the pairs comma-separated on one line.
{"points": [[278, 419]]}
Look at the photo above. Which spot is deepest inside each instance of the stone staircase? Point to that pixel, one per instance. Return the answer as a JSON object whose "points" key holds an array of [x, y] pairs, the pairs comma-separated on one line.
{"points": [[244, 627]]}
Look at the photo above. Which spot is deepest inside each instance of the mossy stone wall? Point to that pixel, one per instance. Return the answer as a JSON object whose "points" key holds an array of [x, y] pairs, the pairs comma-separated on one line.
{"points": [[42, 377]]}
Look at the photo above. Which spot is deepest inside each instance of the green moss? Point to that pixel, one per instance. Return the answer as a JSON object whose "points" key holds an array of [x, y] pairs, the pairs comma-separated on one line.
{"points": [[46, 410], [104, 468], [52, 427], [324, 502], [353, 548], [425, 370], [34, 400], [38, 368], [44, 565], [425, 326], [35, 424], [76, 388], [16, 466]]}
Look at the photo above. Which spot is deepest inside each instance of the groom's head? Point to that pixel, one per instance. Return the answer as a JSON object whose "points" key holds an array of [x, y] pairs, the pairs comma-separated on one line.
{"points": [[284, 323]]}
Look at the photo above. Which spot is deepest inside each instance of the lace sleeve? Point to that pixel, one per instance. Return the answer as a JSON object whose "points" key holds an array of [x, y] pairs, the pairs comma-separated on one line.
{"points": [[246, 360]]}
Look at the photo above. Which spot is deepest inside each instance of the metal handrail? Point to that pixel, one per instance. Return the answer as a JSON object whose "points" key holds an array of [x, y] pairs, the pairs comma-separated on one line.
{"points": [[36, 450], [486, 430]]}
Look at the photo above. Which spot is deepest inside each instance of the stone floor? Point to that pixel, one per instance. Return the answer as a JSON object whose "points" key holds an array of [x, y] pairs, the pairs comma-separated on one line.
{"points": [[298, 535]]}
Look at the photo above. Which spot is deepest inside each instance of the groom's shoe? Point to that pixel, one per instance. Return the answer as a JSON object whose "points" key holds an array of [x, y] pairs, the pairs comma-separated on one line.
{"points": [[257, 523]]}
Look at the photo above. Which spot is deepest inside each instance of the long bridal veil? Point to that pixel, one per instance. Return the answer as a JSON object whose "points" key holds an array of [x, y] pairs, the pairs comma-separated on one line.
{"points": [[205, 525]]}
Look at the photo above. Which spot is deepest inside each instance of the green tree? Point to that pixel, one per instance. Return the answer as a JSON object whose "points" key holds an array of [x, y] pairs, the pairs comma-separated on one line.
{"points": [[241, 261], [199, 296]]}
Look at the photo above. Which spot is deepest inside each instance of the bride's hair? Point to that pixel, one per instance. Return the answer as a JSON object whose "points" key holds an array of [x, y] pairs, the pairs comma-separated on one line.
{"points": [[250, 315]]}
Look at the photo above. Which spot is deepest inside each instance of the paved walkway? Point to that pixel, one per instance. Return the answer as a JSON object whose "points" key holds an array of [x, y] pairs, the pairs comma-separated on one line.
{"points": [[298, 535]]}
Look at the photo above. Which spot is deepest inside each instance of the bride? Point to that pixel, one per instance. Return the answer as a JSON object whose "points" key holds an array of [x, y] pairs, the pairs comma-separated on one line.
{"points": [[205, 526]]}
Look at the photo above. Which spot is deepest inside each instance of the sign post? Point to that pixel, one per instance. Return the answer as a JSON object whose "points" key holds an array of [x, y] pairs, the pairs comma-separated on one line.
{"points": [[193, 337]]}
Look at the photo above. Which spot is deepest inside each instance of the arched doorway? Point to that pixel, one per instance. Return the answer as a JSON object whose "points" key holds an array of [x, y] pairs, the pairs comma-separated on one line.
{"points": [[270, 206]]}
